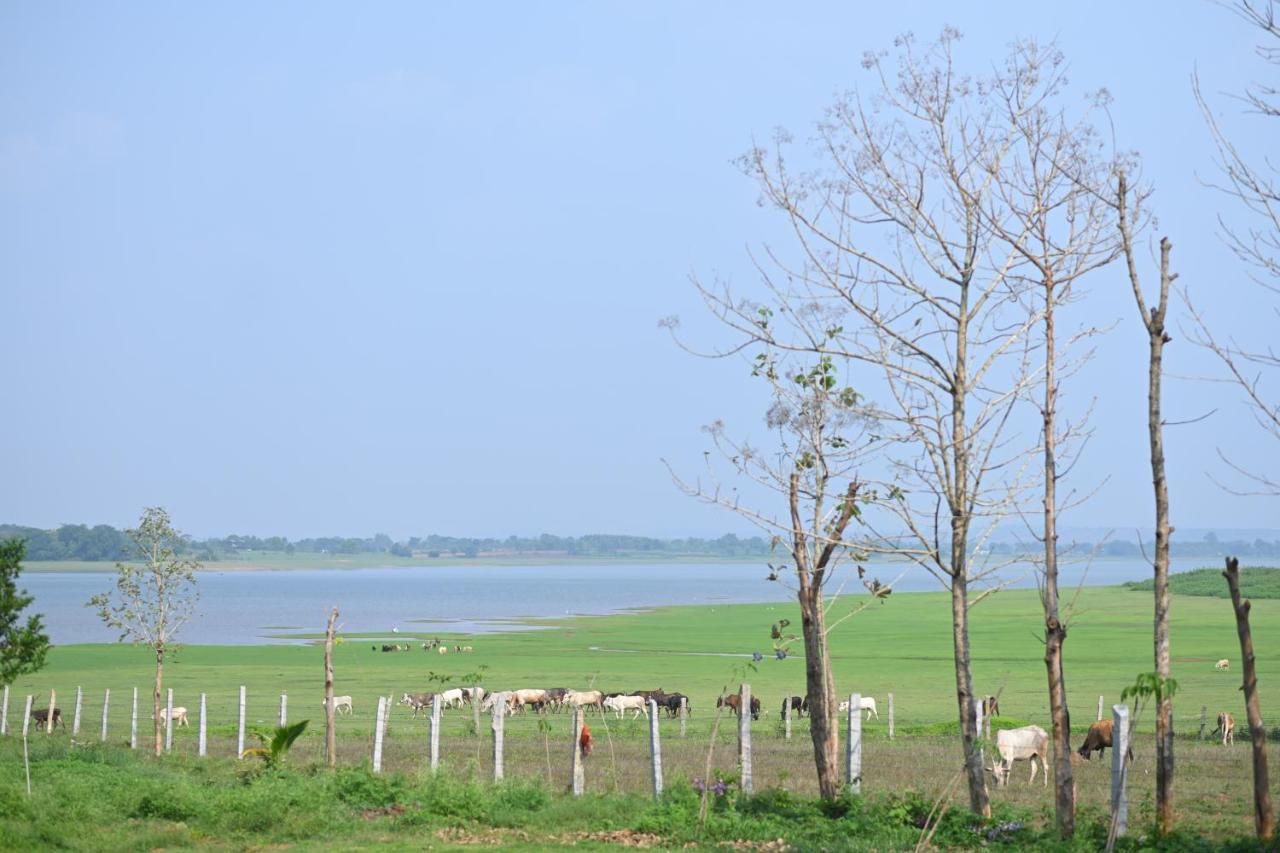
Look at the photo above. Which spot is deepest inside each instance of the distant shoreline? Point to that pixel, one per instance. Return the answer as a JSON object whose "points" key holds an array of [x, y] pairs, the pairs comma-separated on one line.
{"points": [[336, 562]]}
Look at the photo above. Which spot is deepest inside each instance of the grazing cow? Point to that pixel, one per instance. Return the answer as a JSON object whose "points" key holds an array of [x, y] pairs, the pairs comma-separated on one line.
{"points": [[1226, 727], [1030, 743], [417, 701], [646, 695], [536, 697], [584, 740], [340, 702], [990, 707], [732, 702], [41, 716], [671, 702], [1097, 740], [555, 697], [467, 649], [451, 698], [179, 715], [444, 650], [473, 694], [585, 699], [1222, 665], [866, 703], [388, 647], [799, 706], [622, 704]]}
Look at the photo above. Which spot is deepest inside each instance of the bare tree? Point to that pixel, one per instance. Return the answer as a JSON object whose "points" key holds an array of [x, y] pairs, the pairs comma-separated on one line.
{"points": [[1052, 210], [911, 268], [819, 424], [1254, 184], [153, 598], [1127, 202]]}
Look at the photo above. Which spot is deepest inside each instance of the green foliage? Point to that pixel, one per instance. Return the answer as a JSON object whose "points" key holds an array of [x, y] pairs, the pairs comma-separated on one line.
{"points": [[22, 646], [1149, 685], [1255, 582], [360, 788], [154, 598], [277, 748]]}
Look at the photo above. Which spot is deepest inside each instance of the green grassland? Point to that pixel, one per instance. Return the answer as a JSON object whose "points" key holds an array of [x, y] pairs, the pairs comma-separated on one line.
{"points": [[902, 647], [1254, 583]]}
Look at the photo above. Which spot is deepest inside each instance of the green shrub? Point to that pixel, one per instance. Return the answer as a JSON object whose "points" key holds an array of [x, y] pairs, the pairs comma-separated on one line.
{"points": [[361, 789]]}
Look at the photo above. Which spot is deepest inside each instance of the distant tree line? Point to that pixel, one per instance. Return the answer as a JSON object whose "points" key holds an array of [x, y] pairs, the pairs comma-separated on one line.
{"points": [[105, 543]]}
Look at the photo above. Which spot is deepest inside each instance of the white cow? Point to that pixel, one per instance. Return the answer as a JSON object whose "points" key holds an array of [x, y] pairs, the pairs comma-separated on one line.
{"points": [[622, 704], [529, 696], [179, 715], [1030, 743], [585, 699], [452, 698], [473, 694], [1222, 665], [868, 704], [340, 702]]}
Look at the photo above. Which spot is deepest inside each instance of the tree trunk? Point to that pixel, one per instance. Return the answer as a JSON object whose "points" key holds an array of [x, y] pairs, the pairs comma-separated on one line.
{"points": [[979, 802], [824, 725], [1164, 711], [1055, 633], [330, 732], [1264, 818], [155, 702]]}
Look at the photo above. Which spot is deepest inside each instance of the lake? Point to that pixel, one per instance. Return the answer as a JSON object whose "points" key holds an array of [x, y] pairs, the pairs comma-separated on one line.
{"points": [[247, 607]]}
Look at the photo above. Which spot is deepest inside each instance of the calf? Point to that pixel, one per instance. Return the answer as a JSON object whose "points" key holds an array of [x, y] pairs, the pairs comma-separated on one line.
{"points": [[340, 702], [1097, 740], [865, 703], [1226, 727], [451, 698], [733, 702], [799, 706], [417, 701], [41, 716], [179, 715], [585, 699], [1222, 665], [1030, 743]]}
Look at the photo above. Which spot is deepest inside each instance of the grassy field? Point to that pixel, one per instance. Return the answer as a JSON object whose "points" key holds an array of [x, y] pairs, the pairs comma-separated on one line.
{"points": [[902, 646]]}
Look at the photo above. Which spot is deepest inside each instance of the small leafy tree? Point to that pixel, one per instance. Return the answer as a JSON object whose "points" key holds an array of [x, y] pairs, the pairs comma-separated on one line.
{"points": [[153, 598], [22, 647]]}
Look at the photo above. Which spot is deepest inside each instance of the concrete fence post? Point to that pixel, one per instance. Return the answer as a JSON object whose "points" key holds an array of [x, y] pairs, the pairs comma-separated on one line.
{"points": [[499, 729], [204, 742], [435, 736], [284, 709], [4, 712], [744, 738], [655, 748], [1099, 706], [1119, 768], [475, 708], [1204, 720], [577, 775], [168, 722], [133, 722], [26, 717], [853, 745], [786, 718], [75, 723], [106, 705], [53, 706], [977, 728], [240, 726], [890, 716], [379, 726], [684, 714]]}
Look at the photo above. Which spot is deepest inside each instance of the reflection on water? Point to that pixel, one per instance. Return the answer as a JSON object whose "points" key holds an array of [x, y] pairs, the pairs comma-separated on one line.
{"points": [[239, 607]]}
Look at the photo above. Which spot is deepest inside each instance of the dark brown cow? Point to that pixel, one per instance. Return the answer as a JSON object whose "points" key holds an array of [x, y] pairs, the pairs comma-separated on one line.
{"points": [[799, 706], [41, 716], [1097, 740], [732, 702]]}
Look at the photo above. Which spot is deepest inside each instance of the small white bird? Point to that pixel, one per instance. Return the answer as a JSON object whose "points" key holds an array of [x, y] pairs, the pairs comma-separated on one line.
{"points": [[395, 630]]}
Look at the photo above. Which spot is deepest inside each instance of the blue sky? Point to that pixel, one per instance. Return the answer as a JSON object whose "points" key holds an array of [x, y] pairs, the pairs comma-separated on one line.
{"points": [[310, 268]]}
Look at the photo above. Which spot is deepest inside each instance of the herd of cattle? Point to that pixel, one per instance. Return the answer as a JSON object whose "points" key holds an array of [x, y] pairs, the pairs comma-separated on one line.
{"points": [[551, 699]]}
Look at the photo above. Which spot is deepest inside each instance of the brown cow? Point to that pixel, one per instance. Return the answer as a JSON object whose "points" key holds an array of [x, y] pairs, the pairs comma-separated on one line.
{"points": [[990, 707], [1227, 728], [1098, 739], [732, 703]]}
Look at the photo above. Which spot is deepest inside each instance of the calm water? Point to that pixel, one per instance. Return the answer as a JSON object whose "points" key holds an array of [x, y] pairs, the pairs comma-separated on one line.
{"points": [[246, 607]]}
